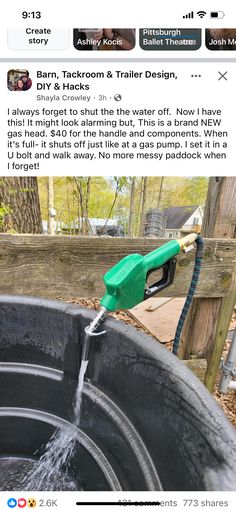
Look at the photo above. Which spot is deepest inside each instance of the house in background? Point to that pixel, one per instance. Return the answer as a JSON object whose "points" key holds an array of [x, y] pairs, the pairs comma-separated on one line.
{"points": [[182, 220]]}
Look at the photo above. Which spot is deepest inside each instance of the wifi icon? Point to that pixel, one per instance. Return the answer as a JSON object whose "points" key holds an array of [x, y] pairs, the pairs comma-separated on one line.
{"points": [[201, 14]]}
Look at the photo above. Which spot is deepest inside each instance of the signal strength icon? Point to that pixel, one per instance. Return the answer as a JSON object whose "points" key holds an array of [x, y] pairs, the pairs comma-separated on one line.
{"points": [[189, 15], [201, 14]]}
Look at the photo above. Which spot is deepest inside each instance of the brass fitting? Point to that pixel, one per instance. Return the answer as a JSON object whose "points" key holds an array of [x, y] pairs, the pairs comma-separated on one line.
{"points": [[187, 241]]}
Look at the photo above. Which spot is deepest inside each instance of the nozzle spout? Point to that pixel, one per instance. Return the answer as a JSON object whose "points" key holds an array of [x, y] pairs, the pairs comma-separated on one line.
{"points": [[94, 325], [90, 331]]}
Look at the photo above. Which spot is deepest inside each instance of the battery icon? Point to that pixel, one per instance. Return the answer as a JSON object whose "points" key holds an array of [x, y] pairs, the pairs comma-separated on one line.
{"points": [[217, 14]]}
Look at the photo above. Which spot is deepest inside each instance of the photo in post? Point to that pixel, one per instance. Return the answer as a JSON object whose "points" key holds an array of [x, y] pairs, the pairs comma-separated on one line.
{"points": [[94, 373]]}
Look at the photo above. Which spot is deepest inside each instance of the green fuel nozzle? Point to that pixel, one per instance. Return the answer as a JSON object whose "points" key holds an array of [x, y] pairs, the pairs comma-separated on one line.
{"points": [[126, 282]]}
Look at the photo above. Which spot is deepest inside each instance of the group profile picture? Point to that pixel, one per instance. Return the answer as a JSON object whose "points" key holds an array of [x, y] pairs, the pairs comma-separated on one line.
{"points": [[18, 80]]}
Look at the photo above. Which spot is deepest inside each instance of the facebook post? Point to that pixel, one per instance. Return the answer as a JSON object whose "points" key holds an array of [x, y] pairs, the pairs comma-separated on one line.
{"points": [[176, 116], [117, 256]]}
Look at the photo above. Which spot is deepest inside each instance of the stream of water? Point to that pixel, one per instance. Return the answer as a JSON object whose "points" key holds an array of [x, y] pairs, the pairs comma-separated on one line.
{"points": [[51, 472]]}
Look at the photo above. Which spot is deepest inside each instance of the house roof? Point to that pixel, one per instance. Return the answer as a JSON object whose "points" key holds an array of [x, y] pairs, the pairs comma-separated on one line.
{"points": [[178, 216], [95, 222]]}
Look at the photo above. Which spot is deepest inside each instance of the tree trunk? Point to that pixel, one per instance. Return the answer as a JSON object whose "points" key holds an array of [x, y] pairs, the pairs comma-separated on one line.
{"points": [[19, 197], [83, 187], [160, 192], [137, 226], [88, 192], [143, 203], [131, 208], [51, 223]]}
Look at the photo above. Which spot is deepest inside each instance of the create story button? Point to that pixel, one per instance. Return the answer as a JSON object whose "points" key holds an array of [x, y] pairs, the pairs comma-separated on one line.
{"points": [[40, 38]]}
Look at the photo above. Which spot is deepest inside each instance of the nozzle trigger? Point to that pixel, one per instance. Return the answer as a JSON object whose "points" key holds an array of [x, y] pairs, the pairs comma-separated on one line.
{"points": [[168, 273]]}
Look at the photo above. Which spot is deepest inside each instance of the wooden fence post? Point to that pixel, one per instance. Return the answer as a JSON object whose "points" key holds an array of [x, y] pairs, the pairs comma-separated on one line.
{"points": [[208, 320], [225, 314]]}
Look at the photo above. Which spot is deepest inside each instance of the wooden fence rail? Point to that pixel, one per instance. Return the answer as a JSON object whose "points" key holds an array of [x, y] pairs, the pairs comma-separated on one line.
{"points": [[69, 266], [54, 266]]}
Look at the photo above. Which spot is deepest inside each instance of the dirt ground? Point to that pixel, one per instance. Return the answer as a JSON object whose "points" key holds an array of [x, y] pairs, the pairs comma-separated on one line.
{"points": [[227, 402]]}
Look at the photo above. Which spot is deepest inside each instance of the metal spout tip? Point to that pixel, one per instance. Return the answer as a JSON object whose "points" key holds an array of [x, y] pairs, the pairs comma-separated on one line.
{"points": [[91, 329]]}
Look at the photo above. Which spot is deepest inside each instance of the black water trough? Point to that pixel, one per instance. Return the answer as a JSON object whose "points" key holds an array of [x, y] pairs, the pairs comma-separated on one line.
{"points": [[147, 422]]}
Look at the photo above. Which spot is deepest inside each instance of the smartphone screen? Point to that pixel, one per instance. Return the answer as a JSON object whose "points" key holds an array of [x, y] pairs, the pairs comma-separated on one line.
{"points": [[117, 156]]}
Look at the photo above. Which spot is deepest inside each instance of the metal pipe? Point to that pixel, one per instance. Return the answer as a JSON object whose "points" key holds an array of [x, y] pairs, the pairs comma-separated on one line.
{"points": [[100, 317], [228, 370], [91, 330]]}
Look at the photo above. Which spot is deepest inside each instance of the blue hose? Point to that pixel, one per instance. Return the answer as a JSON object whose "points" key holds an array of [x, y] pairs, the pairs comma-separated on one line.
{"points": [[191, 292]]}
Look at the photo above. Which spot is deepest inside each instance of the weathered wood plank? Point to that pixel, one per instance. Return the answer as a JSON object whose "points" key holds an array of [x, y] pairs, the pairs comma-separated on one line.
{"points": [[52, 266], [162, 321], [198, 367], [200, 329], [208, 319], [223, 323], [220, 210]]}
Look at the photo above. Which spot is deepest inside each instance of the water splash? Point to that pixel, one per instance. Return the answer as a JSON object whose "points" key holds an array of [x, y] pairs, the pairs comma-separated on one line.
{"points": [[51, 471]]}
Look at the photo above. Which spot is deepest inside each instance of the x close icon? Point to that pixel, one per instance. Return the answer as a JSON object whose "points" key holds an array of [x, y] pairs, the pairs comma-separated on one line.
{"points": [[222, 76]]}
